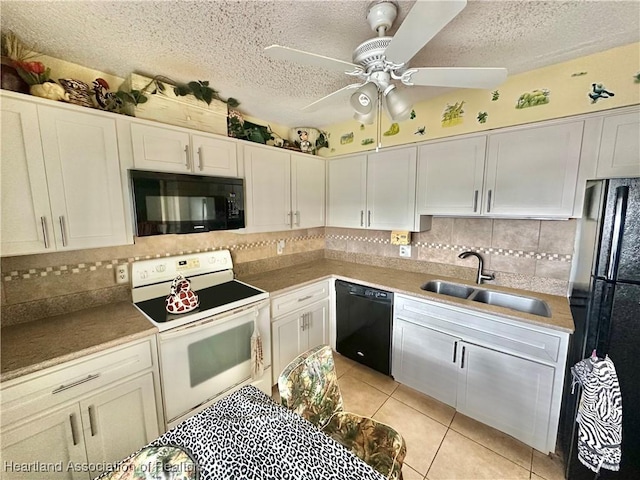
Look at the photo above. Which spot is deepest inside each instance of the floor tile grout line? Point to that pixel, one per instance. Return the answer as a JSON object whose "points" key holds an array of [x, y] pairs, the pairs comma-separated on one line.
{"points": [[437, 451]]}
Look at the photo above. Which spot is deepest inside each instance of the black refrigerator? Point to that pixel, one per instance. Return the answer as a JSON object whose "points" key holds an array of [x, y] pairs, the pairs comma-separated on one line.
{"points": [[605, 303]]}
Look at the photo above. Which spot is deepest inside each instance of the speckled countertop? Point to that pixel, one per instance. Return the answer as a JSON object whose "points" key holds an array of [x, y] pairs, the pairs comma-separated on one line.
{"points": [[279, 281], [32, 346]]}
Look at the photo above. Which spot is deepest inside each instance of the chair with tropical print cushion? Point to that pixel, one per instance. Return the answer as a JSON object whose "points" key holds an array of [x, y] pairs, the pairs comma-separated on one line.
{"points": [[309, 387]]}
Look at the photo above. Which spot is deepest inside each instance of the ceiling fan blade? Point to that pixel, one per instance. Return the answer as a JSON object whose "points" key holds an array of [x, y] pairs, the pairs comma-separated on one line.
{"points": [[421, 24], [457, 77], [329, 98], [306, 58]]}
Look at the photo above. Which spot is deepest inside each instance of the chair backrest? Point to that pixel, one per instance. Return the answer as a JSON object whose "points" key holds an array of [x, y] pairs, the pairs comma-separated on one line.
{"points": [[309, 386]]}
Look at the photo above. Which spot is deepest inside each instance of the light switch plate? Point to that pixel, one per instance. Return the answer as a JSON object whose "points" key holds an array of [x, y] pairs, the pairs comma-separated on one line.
{"points": [[405, 250]]}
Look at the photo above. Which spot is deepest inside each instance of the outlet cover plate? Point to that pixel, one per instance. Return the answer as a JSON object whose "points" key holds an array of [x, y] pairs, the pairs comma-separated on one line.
{"points": [[405, 250]]}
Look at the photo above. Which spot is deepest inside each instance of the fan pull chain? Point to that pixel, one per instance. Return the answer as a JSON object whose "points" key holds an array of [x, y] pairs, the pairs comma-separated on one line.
{"points": [[379, 123]]}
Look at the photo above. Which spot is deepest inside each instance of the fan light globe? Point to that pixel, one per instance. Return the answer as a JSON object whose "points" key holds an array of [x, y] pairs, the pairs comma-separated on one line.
{"points": [[367, 118], [397, 105], [363, 100]]}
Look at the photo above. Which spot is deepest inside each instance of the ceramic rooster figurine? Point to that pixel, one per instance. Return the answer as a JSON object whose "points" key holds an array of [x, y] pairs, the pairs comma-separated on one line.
{"points": [[106, 100]]}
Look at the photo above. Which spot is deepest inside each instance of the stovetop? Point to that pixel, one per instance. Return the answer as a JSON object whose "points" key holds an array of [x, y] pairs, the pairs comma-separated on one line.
{"points": [[212, 299]]}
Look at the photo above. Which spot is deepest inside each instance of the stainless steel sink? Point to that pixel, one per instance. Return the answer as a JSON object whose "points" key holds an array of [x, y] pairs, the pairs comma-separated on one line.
{"points": [[451, 289], [514, 302]]}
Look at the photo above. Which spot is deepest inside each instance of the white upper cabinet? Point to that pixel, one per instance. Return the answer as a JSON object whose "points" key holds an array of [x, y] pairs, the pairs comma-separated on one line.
{"points": [[283, 190], [391, 189], [619, 154], [169, 149], [61, 187], [450, 175], [308, 190], [26, 213], [375, 191], [83, 173], [347, 192], [532, 171]]}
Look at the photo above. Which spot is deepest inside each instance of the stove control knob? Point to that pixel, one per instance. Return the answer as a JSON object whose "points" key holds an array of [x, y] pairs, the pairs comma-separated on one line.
{"points": [[161, 268], [144, 274]]}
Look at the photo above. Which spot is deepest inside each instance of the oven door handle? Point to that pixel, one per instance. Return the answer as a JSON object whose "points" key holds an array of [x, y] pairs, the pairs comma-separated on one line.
{"points": [[213, 322]]}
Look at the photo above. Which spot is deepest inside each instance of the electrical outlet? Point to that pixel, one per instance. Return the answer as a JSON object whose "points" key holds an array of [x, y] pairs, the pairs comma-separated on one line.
{"points": [[122, 273], [280, 247], [405, 250]]}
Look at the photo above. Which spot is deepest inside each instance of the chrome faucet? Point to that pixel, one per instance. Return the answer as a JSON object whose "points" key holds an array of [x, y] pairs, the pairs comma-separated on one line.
{"points": [[481, 276]]}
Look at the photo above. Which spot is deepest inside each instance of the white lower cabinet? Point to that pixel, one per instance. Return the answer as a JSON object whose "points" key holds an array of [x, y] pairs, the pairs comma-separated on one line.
{"points": [[87, 412], [509, 393], [298, 332], [300, 321], [500, 372], [416, 346]]}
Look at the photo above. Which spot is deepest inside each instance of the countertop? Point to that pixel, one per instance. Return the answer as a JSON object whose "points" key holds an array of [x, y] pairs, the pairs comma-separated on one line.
{"points": [[399, 281], [32, 346]]}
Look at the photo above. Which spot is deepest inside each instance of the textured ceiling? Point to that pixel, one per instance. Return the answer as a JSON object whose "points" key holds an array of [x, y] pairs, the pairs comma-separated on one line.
{"points": [[223, 41]]}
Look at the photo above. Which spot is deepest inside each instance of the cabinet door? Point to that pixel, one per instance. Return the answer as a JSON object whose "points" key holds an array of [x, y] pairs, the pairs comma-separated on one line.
{"points": [[307, 190], [347, 197], [26, 214], [214, 156], [288, 341], [83, 173], [533, 171], [391, 189], [317, 325], [268, 189], [120, 420], [160, 149], [54, 438], [509, 393], [426, 360], [620, 146], [450, 177]]}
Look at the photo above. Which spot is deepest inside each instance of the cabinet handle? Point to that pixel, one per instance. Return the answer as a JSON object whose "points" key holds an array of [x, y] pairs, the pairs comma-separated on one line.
{"points": [[297, 218], [308, 315], [462, 359], [305, 298], [475, 201], [455, 351], [88, 378], [369, 218], [488, 201], [302, 322], [290, 219], [186, 151], [43, 222], [63, 230], [74, 435], [200, 164], [92, 420], [362, 218]]}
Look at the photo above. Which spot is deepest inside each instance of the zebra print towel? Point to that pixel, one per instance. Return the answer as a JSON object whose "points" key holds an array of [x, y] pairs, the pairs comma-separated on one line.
{"points": [[599, 413]]}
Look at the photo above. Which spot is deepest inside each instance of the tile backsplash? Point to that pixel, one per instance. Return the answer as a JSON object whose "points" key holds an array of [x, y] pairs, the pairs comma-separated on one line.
{"points": [[528, 254]]}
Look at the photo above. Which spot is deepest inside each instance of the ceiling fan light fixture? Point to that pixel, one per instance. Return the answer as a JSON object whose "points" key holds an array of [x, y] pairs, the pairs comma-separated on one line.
{"points": [[367, 118], [397, 104], [364, 99]]}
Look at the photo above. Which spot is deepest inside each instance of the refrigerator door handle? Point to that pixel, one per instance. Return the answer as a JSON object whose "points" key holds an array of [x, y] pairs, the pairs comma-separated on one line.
{"points": [[622, 197]]}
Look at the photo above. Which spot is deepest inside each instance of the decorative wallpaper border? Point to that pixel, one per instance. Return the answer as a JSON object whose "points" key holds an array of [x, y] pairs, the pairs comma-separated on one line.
{"points": [[507, 252], [109, 264]]}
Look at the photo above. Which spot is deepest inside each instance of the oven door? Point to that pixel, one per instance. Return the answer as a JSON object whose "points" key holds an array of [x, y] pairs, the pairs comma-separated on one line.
{"points": [[200, 361]]}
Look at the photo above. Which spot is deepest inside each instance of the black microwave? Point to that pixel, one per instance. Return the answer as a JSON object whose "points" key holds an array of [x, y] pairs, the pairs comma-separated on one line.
{"points": [[178, 203]]}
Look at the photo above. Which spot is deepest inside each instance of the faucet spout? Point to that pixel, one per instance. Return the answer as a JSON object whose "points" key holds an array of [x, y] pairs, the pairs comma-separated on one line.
{"points": [[481, 276]]}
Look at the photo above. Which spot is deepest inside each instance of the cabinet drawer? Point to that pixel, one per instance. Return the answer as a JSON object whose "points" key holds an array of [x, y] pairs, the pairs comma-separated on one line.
{"points": [[27, 395], [481, 328], [288, 302]]}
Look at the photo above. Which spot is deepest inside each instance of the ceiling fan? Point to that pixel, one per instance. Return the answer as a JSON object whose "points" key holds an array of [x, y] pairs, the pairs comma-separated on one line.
{"points": [[377, 62]]}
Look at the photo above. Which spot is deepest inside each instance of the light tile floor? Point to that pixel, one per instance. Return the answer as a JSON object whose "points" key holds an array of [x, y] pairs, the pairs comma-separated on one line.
{"points": [[441, 444]]}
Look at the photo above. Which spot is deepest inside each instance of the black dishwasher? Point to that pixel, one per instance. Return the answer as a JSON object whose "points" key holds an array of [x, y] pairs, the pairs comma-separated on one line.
{"points": [[363, 325]]}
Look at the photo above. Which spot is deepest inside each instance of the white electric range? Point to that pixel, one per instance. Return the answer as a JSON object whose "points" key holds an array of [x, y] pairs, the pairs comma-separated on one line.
{"points": [[205, 353]]}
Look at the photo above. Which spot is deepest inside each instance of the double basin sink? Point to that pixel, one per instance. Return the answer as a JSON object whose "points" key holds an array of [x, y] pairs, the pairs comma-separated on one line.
{"points": [[520, 303]]}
